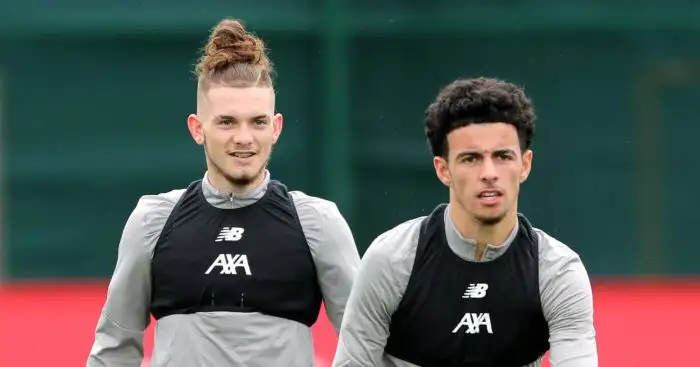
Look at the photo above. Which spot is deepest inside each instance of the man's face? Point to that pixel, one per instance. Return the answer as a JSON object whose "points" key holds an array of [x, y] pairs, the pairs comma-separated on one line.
{"points": [[484, 170], [238, 128]]}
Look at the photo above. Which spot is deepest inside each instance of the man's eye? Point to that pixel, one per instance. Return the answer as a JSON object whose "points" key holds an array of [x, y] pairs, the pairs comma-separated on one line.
{"points": [[260, 122]]}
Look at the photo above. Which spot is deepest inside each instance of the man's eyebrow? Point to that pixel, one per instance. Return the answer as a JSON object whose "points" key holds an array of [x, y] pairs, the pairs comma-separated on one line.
{"points": [[468, 153], [228, 117], [504, 151], [225, 117]]}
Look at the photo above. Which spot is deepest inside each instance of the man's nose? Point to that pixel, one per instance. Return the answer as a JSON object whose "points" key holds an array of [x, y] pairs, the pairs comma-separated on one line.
{"points": [[242, 135], [488, 171]]}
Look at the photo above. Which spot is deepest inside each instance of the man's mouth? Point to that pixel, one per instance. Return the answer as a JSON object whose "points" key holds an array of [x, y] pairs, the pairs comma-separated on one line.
{"points": [[490, 193], [242, 154]]}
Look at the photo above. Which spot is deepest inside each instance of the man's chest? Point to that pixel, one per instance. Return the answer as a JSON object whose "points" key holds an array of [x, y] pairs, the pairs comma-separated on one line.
{"points": [[221, 247]]}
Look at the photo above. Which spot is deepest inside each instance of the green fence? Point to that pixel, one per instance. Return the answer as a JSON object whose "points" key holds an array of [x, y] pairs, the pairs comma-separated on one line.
{"points": [[95, 101]]}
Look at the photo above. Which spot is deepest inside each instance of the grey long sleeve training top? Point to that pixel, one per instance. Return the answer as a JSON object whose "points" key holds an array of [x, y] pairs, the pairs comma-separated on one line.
{"points": [[218, 338], [565, 290]]}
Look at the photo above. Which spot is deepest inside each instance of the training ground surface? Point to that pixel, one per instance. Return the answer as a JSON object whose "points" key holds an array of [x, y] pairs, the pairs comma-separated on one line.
{"points": [[639, 323]]}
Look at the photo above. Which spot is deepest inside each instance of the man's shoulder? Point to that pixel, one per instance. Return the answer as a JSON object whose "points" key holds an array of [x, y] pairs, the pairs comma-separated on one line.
{"points": [[318, 205], [564, 283], [398, 244], [557, 261], [397, 235], [552, 250], [152, 210], [320, 218]]}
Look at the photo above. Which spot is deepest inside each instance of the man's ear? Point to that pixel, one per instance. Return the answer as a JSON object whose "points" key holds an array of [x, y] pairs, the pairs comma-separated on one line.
{"points": [[194, 125], [527, 165], [442, 171], [277, 122]]}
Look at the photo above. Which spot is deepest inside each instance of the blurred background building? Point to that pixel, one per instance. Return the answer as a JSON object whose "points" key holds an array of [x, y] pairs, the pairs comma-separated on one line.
{"points": [[94, 98]]}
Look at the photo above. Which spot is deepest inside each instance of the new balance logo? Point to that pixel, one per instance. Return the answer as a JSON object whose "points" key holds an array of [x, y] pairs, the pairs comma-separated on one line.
{"points": [[473, 323], [230, 263], [477, 290], [230, 234]]}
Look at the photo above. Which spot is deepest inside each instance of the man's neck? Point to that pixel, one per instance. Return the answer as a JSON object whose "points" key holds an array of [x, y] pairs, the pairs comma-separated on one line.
{"points": [[484, 235], [220, 183]]}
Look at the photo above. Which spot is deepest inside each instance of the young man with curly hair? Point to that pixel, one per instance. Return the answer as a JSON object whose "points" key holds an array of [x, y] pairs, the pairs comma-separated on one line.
{"points": [[473, 283]]}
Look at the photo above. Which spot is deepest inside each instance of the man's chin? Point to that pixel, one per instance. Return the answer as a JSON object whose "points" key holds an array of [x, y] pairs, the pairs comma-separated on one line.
{"points": [[243, 178], [240, 179], [490, 219]]}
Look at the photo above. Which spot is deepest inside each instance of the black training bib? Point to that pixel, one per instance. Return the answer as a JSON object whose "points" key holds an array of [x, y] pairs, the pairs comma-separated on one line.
{"points": [[251, 259], [470, 314]]}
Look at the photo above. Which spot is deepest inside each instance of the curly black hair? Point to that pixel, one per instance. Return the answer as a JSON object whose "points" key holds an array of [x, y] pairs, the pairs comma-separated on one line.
{"points": [[475, 101]]}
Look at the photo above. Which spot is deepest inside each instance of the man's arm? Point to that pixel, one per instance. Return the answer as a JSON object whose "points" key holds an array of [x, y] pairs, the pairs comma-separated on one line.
{"points": [[333, 249], [567, 301], [125, 316], [383, 276]]}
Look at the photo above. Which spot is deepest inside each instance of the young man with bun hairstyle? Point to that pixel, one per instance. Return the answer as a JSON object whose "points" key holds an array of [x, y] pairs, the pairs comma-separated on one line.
{"points": [[234, 267], [473, 284]]}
